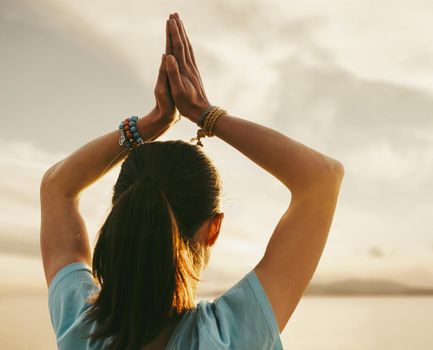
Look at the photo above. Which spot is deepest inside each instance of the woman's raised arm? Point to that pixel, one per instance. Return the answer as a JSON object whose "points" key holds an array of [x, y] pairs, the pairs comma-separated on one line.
{"points": [[298, 240], [63, 234], [313, 179]]}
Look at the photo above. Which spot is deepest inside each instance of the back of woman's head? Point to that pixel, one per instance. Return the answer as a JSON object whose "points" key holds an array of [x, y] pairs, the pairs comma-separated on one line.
{"points": [[146, 256]]}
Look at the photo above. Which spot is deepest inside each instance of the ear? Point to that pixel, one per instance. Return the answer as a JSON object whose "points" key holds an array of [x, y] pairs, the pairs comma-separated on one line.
{"points": [[214, 228]]}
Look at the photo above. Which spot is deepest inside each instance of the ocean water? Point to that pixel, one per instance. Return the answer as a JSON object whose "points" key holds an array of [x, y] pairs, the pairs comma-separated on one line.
{"points": [[361, 323], [325, 323]]}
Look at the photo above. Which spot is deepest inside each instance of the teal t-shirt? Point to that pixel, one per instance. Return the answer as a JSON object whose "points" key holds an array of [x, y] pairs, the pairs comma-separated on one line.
{"points": [[241, 318]]}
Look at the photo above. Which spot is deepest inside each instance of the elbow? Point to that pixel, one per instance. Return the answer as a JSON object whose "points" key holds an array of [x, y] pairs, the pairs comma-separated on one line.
{"points": [[327, 182], [47, 180], [332, 174], [327, 179], [324, 177], [329, 186], [44, 185], [338, 170], [54, 183]]}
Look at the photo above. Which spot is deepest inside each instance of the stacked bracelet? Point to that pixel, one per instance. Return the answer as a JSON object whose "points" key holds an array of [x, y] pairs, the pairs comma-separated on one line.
{"points": [[207, 121], [210, 120], [203, 116], [129, 135]]}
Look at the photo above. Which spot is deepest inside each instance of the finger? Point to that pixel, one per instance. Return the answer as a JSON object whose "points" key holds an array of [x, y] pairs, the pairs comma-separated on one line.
{"points": [[160, 90], [178, 47], [191, 51], [168, 43], [161, 75], [163, 96], [184, 41], [190, 58], [176, 85]]}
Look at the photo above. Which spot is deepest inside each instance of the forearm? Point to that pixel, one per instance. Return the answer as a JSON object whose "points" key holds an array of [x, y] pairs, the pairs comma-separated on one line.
{"points": [[94, 159], [294, 164]]}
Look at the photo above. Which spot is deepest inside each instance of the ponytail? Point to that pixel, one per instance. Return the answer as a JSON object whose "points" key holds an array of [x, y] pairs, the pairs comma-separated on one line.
{"points": [[136, 264], [147, 254]]}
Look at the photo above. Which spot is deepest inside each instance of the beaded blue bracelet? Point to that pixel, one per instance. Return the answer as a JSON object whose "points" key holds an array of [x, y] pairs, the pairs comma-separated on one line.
{"points": [[129, 135]]}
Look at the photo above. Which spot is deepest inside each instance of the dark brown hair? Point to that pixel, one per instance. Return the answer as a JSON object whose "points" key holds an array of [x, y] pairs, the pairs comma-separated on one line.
{"points": [[146, 254]]}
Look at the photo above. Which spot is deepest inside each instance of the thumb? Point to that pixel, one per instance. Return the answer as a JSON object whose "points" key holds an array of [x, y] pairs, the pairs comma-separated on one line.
{"points": [[162, 89], [163, 81], [174, 78], [162, 74]]}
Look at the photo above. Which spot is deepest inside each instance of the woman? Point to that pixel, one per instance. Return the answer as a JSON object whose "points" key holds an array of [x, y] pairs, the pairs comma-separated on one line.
{"points": [[164, 220]]}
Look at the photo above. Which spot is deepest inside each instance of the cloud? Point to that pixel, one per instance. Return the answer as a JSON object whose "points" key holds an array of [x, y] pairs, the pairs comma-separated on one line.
{"points": [[380, 130], [61, 76], [72, 73], [348, 112], [18, 246]]}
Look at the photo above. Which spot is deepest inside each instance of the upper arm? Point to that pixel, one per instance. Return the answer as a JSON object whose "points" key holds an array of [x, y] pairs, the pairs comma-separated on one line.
{"points": [[63, 235], [296, 246]]}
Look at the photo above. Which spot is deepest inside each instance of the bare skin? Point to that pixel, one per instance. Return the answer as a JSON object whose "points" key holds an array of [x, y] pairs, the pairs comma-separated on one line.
{"points": [[63, 233], [313, 179], [299, 237]]}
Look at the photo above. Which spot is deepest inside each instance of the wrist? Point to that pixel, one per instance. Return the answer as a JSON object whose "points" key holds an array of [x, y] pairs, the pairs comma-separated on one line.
{"points": [[199, 113], [149, 125], [166, 118]]}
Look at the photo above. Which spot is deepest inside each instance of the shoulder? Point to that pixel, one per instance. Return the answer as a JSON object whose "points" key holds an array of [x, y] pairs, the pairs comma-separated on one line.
{"points": [[73, 283], [240, 318], [68, 299]]}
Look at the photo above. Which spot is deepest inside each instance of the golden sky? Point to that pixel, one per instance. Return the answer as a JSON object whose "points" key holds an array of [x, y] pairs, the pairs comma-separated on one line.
{"points": [[352, 79]]}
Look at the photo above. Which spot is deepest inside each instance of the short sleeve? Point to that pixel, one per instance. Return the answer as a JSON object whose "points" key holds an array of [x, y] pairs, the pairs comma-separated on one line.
{"points": [[241, 318], [67, 296]]}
